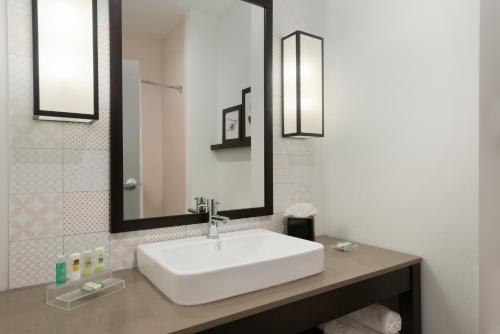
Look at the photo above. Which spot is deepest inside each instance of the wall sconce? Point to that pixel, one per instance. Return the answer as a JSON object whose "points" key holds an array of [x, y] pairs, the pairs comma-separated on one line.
{"points": [[302, 85], [65, 78]]}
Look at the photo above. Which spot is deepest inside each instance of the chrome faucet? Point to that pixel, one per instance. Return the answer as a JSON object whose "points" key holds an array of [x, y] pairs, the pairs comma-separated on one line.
{"points": [[214, 220], [200, 205]]}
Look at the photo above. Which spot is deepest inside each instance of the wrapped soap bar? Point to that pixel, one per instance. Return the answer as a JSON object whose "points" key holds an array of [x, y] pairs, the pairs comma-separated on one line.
{"points": [[91, 286]]}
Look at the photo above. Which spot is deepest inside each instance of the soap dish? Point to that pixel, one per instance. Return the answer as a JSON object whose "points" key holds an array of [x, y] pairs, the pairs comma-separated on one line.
{"points": [[344, 246], [69, 296]]}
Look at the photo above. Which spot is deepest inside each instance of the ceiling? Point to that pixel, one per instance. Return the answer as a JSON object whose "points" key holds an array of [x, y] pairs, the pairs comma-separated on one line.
{"points": [[155, 18]]}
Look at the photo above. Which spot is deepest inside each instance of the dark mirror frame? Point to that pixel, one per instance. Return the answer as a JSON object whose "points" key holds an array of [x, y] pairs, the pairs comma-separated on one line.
{"points": [[118, 224]]}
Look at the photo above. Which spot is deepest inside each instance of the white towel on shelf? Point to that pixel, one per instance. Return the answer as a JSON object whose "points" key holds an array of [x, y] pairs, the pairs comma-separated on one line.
{"points": [[335, 327], [356, 325], [379, 318]]}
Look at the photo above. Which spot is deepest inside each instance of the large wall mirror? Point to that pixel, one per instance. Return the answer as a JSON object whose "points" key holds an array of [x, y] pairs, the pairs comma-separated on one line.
{"points": [[191, 113]]}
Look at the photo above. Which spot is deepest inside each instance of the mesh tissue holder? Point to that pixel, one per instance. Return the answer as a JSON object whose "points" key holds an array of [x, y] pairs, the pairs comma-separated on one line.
{"points": [[68, 296]]}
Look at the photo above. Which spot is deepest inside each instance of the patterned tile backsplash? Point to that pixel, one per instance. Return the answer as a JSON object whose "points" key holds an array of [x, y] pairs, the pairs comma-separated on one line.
{"points": [[86, 212], [20, 77], [86, 170], [35, 216], [26, 132], [32, 261], [81, 136], [33, 171], [59, 172], [82, 242]]}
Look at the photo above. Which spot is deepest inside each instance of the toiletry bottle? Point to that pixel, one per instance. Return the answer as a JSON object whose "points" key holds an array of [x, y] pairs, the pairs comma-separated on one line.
{"points": [[87, 269], [60, 270], [99, 260], [75, 266]]}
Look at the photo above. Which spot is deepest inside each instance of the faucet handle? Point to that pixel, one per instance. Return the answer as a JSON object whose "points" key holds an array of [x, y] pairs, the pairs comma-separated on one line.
{"points": [[212, 203], [200, 204]]}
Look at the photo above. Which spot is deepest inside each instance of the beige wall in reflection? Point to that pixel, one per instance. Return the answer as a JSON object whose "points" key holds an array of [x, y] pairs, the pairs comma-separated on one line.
{"points": [[174, 121], [148, 53], [163, 120]]}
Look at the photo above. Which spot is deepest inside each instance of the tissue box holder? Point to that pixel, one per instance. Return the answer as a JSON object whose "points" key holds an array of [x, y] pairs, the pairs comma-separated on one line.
{"points": [[301, 228]]}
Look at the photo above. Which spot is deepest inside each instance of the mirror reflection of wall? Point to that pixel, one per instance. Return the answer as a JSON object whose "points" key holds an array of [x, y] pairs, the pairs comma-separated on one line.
{"points": [[184, 62], [157, 53]]}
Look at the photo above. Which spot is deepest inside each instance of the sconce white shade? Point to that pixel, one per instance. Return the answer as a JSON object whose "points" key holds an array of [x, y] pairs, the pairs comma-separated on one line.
{"points": [[302, 85], [65, 60]]}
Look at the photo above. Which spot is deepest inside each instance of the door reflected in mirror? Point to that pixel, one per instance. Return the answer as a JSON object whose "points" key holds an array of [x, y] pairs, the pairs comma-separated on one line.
{"points": [[193, 105]]}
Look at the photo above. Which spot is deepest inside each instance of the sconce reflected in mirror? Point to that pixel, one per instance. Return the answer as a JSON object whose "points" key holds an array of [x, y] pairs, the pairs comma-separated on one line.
{"points": [[65, 60], [302, 85]]}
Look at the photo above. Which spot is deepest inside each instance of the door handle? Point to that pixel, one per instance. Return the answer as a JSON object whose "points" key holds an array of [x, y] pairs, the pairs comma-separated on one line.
{"points": [[130, 184]]}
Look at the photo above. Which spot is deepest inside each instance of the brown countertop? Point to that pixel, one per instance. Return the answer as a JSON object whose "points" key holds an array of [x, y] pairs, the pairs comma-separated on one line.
{"points": [[141, 308]]}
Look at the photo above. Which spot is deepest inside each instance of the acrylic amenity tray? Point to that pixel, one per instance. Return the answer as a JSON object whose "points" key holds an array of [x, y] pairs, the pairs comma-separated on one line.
{"points": [[69, 296]]}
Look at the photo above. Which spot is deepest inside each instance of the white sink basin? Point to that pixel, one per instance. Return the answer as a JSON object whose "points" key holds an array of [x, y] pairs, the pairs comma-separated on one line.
{"points": [[199, 270]]}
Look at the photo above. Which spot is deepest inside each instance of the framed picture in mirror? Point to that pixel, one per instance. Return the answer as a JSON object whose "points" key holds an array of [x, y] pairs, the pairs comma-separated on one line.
{"points": [[231, 124], [247, 112]]}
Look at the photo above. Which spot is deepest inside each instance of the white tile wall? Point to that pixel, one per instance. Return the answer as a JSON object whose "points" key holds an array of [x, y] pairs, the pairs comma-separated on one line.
{"points": [[26, 132], [59, 173], [86, 212], [169, 233], [86, 170], [35, 216], [19, 26], [83, 242], [33, 261], [33, 171], [283, 171], [81, 136], [277, 223], [20, 77], [123, 246]]}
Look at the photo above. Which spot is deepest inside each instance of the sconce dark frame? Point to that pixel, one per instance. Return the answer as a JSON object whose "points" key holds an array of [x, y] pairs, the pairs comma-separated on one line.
{"points": [[36, 77], [299, 132], [118, 224]]}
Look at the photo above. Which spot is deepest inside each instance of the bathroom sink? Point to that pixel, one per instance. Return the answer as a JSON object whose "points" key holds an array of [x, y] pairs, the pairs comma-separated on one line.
{"points": [[199, 270]]}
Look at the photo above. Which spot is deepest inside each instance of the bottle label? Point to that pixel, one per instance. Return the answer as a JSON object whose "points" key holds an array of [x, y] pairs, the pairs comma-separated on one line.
{"points": [[61, 273], [76, 265]]}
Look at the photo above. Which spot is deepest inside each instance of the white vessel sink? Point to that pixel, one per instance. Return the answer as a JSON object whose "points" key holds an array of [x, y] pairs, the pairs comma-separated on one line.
{"points": [[199, 270]]}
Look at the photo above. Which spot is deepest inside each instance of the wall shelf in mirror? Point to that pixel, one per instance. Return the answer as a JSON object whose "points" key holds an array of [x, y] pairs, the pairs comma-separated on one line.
{"points": [[246, 142]]}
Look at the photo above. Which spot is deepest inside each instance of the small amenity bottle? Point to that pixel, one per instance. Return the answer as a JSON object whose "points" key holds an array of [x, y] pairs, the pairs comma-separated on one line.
{"points": [[87, 269], [60, 270], [75, 267], [99, 260]]}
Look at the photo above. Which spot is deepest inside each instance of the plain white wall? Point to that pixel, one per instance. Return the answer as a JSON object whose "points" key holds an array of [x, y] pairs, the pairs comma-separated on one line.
{"points": [[234, 167], [221, 65], [202, 36], [233, 58], [489, 167], [3, 148], [400, 156], [175, 150]]}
